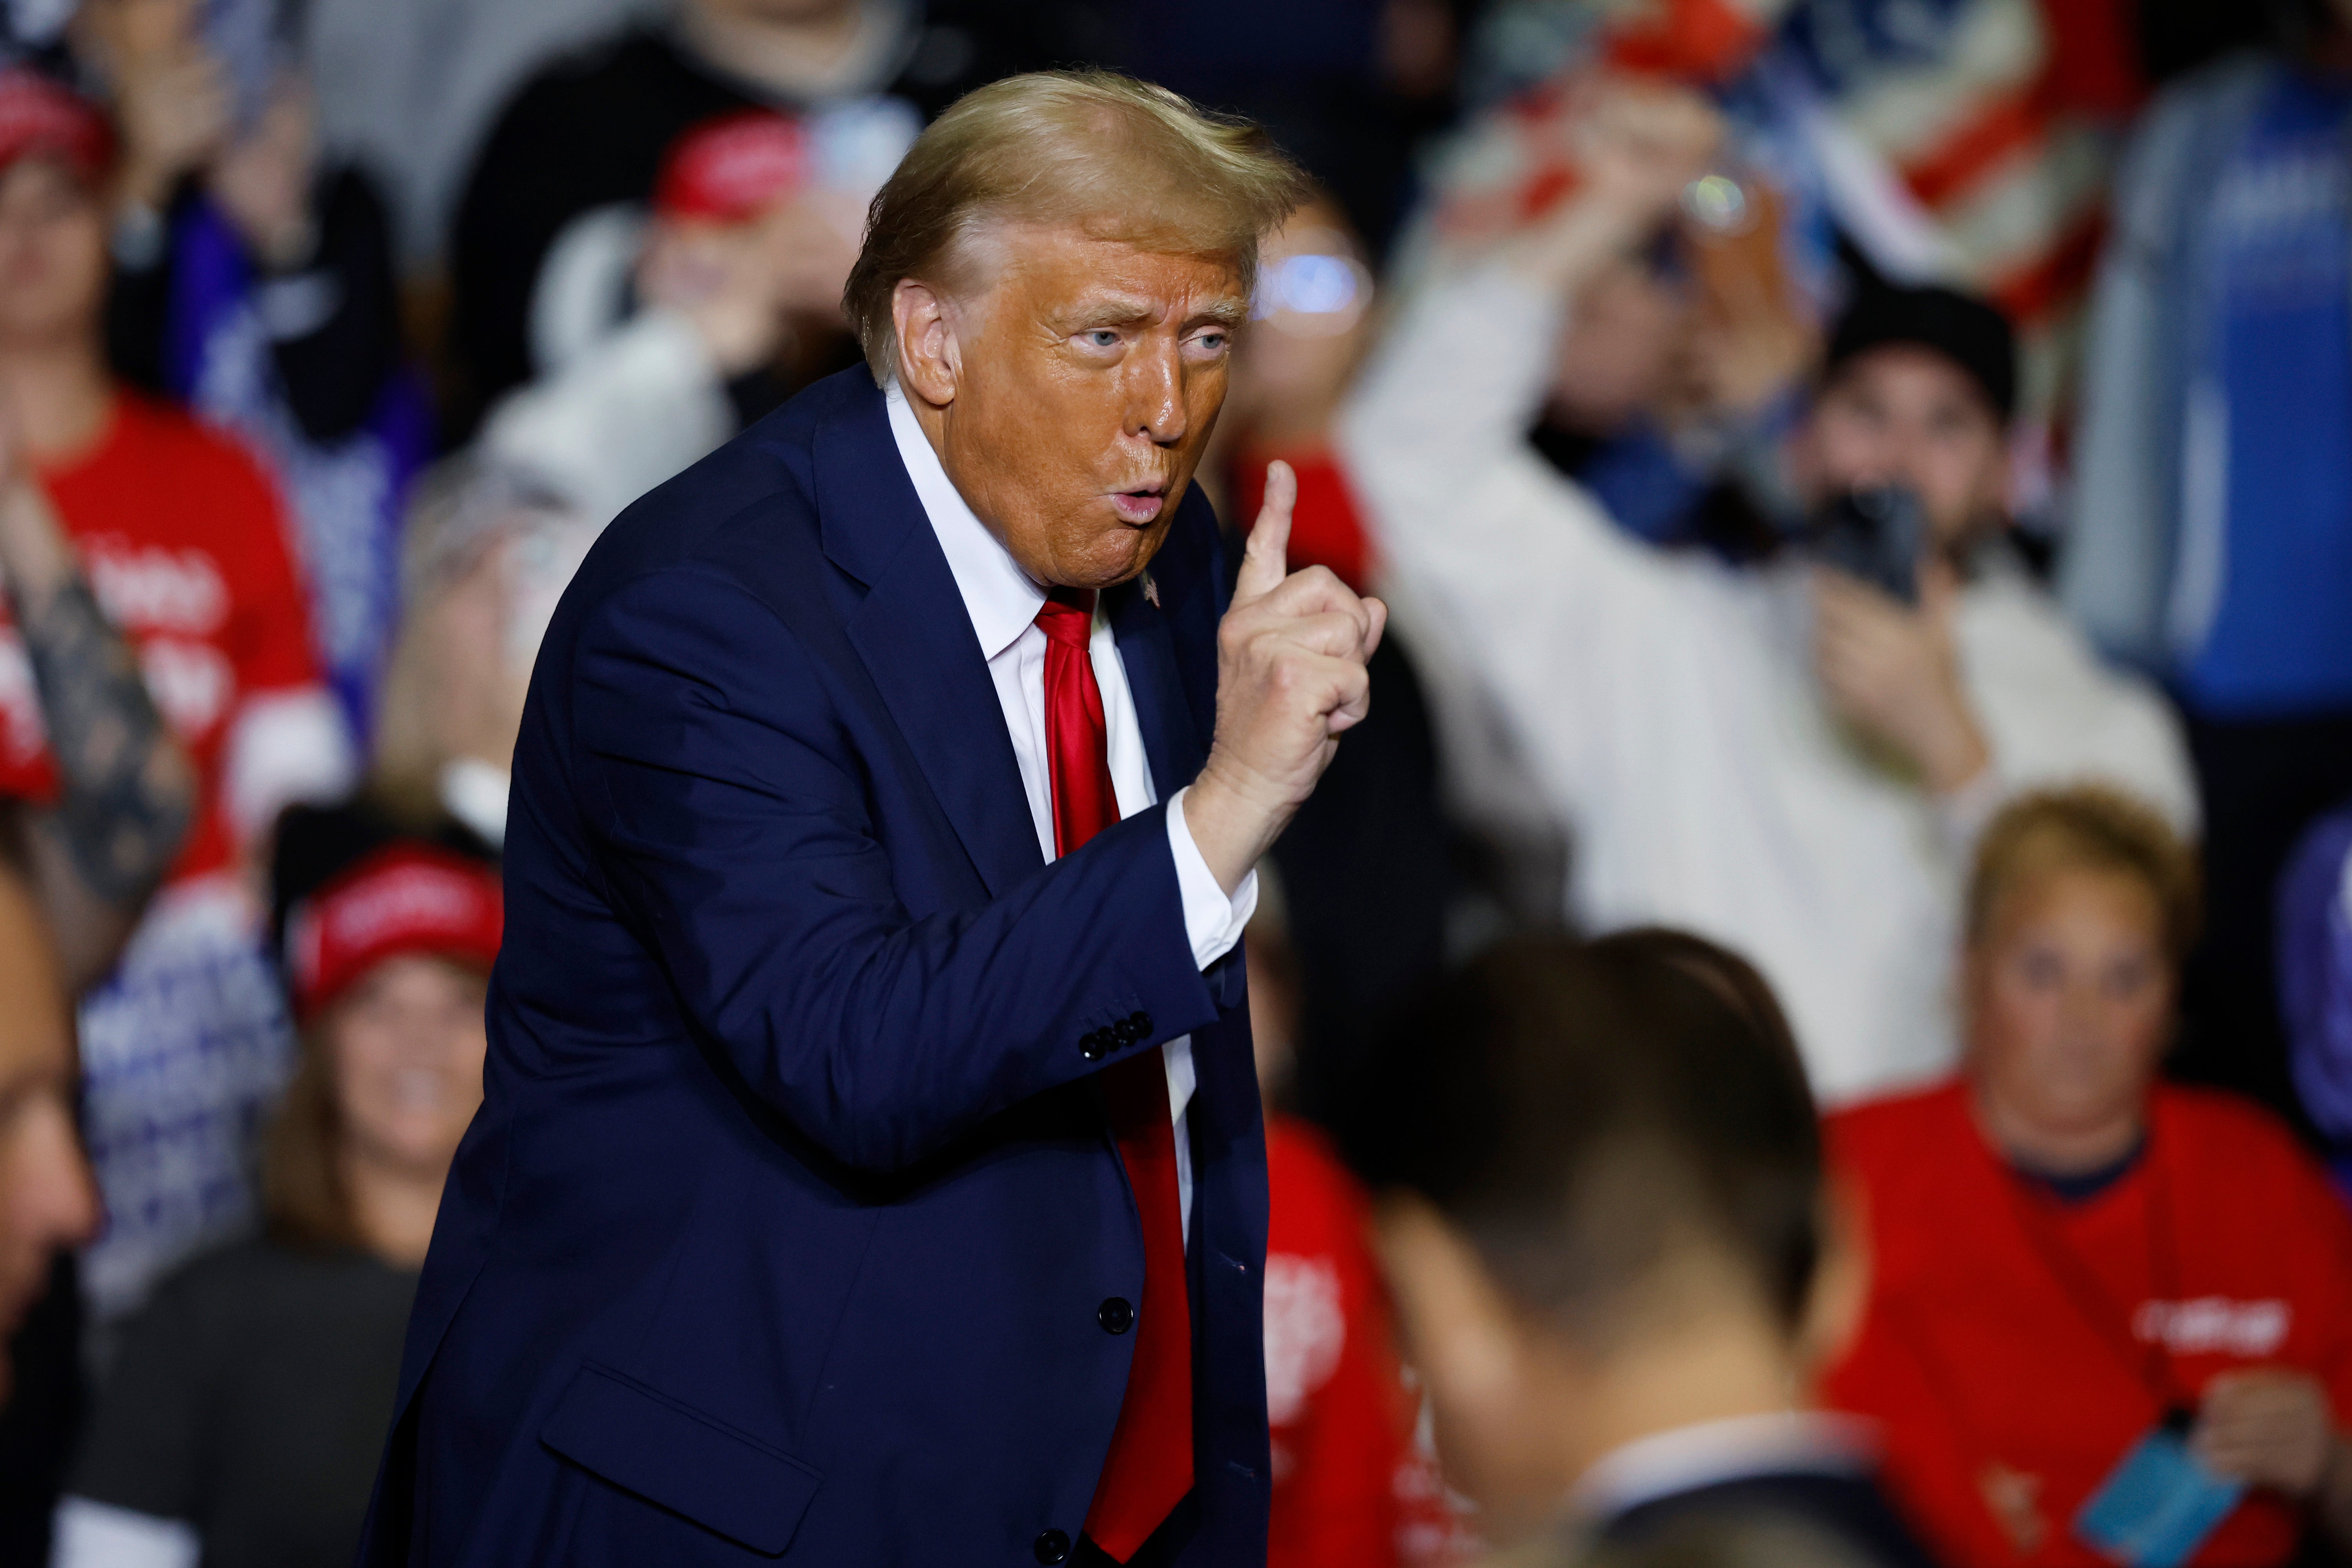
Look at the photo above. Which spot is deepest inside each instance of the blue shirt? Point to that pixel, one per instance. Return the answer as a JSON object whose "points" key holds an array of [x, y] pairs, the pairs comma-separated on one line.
{"points": [[2267, 606]]}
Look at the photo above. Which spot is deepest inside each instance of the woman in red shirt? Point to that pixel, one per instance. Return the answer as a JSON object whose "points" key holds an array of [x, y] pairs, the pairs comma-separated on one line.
{"points": [[2071, 1256]]}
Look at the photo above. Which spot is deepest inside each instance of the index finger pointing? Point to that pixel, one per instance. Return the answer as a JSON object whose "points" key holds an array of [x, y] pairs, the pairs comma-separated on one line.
{"points": [[1266, 563]]}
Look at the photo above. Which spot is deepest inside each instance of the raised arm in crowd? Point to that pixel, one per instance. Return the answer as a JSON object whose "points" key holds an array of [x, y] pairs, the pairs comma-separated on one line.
{"points": [[1784, 757]]}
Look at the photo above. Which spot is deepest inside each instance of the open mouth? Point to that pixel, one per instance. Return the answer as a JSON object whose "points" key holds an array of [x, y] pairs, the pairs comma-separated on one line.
{"points": [[1139, 505]]}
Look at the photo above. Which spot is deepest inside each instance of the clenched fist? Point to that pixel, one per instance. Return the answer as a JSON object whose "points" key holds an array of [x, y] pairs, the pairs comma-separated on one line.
{"points": [[1290, 681]]}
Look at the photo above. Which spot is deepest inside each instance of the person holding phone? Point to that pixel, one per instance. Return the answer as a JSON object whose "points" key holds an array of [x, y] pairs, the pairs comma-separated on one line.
{"points": [[1781, 756]]}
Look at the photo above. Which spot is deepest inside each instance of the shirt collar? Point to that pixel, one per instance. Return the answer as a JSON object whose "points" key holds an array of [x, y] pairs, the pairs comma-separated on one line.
{"points": [[999, 597], [1707, 1453]]}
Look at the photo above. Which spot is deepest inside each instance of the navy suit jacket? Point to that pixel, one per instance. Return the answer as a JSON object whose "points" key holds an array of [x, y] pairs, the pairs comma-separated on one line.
{"points": [[784, 1224]]}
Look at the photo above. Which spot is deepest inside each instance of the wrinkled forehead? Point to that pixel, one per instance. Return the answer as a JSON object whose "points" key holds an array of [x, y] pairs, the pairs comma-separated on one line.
{"points": [[1090, 265]]}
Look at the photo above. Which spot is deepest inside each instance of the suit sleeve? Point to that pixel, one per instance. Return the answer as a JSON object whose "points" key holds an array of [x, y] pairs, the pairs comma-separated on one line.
{"points": [[729, 820]]}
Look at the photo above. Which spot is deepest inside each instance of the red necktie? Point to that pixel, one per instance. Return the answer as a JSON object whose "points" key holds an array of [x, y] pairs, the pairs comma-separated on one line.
{"points": [[1151, 1465]]}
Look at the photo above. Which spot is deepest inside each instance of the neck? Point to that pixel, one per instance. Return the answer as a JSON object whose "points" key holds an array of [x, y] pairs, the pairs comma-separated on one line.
{"points": [[393, 1206], [795, 57], [57, 393], [2058, 1151], [1715, 1369]]}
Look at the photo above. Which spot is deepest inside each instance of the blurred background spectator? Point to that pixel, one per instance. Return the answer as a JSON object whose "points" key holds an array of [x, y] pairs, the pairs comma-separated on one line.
{"points": [[245, 1420], [2314, 972], [185, 542], [552, 209], [2071, 1255], [254, 282], [738, 275], [1369, 864], [486, 556], [1788, 757], [2209, 540]]}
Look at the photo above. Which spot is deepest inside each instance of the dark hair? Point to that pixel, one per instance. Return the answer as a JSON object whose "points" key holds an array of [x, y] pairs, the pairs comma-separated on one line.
{"points": [[1970, 333], [1580, 1111]]}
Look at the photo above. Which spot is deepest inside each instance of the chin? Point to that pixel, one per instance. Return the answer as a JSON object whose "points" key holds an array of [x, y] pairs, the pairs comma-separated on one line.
{"points": [[1113, 560]]}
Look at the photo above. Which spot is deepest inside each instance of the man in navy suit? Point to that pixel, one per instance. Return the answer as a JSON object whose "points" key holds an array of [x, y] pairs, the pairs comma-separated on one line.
{"points": [[869, 1170]]}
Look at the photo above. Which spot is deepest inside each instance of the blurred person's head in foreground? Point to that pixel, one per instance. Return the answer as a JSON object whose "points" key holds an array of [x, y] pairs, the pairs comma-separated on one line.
{"points": [[1054, 280], [47, 1199], [486, 554], [1602, 1208], [55, 151], [2082, 904], [1917, 390], [387, 961]]}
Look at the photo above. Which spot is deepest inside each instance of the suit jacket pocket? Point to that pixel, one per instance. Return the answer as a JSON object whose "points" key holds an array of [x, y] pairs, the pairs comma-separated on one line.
{"points": [[719, 1476]]}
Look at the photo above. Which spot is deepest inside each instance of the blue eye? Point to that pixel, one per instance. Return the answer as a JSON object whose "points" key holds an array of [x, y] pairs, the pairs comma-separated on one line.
{"points": [[1103, 337]]}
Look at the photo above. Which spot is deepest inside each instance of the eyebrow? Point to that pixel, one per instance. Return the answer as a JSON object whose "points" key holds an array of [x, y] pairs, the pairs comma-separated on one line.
{"points": [[1116, 313]]}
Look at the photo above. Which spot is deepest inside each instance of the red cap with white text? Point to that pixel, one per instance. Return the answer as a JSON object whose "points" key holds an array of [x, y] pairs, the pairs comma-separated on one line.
{"points": [[404, 899], [728, 168], [41, 116]]}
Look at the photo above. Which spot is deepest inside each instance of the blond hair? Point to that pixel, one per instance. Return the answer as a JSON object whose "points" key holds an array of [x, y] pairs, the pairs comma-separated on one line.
{"points": [[1123, 159], [2087, 827]]}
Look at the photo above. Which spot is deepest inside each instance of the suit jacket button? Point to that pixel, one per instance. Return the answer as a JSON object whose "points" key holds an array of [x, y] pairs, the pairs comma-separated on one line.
{"points": [[1117, 1315], [1093, 1044], [1143, 1021], [1052, 1546]]}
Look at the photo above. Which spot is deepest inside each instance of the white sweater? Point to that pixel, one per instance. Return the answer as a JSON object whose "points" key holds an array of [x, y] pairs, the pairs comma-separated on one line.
{"points": [[1668, 704]]}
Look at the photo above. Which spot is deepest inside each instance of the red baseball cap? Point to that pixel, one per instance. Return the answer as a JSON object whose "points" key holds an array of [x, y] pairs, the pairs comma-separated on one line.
{"points": [[406, 898], [42, 117], [731, 167]]}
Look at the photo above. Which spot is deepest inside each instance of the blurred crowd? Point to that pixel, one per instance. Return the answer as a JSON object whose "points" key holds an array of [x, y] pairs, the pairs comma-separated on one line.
{"points": [[1821, 1001]]}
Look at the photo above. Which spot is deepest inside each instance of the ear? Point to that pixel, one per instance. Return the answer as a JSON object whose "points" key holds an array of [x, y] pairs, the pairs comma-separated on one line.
{"points": [[1457, 1329], [1840, 1295], [930, 360]]}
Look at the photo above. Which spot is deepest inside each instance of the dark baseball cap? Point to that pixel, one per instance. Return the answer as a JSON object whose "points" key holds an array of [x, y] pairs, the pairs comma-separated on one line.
{"points": [[1970, 331]]}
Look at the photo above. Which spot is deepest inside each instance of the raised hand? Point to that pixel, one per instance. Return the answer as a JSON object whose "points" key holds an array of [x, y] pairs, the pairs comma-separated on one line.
{"points": [[1894, 672], [1291, 680], [2269, 1426], [1634, 145]]}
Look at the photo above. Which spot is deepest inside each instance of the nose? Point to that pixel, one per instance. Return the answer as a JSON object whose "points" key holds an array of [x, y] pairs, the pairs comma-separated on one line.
{"points": [[53, 1198], [1155, 393]]}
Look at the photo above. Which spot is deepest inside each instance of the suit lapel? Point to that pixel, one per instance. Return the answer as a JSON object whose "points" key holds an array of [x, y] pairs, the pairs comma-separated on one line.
{"points": [[916, 638], [1147, 651]]}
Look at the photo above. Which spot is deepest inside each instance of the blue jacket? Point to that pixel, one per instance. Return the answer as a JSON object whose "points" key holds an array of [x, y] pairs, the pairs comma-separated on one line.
{"points": [[787, 1217]]}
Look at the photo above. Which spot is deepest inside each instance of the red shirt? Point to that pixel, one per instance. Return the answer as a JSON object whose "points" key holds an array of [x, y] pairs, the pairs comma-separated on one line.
{"points": [[1351, 1488], [184, 540], [1327, 527], [2015, 1346]]}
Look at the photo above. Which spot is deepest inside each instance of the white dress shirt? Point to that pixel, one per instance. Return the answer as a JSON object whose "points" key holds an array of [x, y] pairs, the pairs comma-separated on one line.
{"points": [[1003, 602], [1708, 1453]]}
